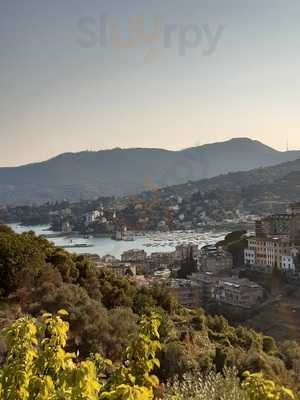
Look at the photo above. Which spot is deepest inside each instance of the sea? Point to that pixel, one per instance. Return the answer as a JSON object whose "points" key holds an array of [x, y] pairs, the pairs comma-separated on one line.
{"points": [[150, 242]]}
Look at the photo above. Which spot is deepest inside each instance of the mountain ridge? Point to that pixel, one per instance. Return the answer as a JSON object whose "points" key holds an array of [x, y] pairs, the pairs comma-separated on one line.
{"points": [[89, 174]]}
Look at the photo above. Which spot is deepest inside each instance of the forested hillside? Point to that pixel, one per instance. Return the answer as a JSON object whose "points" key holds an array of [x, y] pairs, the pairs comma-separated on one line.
{"points": [[260, 190]]}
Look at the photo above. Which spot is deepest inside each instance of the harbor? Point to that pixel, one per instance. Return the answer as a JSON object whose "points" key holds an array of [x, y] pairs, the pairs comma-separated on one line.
{"points": [[150, 242]]}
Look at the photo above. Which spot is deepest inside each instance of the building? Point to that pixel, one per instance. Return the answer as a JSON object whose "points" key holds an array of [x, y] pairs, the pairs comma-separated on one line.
{"points": [[288, 264], [280, 224], [122, 269], [183, 252], [238, 292], [121, 233], [161, 259], [215, 260], [271, 252], [203, 286], [250, 256], [162, 274], [133, 256], [109, 259], [66, 227], [91, 217], [95, 259], [273, 225], [294, 212]]}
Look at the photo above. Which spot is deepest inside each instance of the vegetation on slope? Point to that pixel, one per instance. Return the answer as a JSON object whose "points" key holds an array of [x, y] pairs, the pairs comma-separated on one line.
{"points": [[38, 367], [104, 310]]}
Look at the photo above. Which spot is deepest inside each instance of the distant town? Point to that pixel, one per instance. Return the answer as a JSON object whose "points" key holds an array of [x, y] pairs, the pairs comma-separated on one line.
{"points": [[121, 217], [217, 275]]}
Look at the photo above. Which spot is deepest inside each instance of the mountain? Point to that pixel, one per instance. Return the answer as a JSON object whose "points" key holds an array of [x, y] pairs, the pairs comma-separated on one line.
{"points": [[261, 190], [288, 172], [123, 171]]}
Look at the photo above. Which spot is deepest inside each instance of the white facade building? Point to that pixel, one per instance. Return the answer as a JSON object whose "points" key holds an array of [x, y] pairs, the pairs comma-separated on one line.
{"points": [[288, 264], [270, 253], [249, 256], [91, 217]]}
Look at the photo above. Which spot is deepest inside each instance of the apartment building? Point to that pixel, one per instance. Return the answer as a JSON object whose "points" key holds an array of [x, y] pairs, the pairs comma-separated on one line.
{"points": [[215, 261], [132, 256], [294, 211], [271, 252], [280, 224], [161, 259], [238, 292], [273, 225], [183, 252], [250, 256], [203, 286], [241, 293]]}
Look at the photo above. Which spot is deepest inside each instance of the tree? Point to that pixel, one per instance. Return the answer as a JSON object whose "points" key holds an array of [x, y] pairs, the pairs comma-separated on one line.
{"points": [[188, 266], [235, 242], [22, 257], [37, 366]]}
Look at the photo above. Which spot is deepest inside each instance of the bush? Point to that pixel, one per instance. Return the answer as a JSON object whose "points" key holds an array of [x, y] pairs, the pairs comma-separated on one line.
{"points": [[38, 367]]}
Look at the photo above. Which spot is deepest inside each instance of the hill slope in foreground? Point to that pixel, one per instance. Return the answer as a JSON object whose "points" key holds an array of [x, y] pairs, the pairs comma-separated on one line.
{"points": [[103, 311]]}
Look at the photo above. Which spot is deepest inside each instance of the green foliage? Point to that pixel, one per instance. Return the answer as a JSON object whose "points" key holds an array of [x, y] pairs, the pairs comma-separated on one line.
{"points": [[115, 292], [21, 259], [235, 243], [38, 366], [176, 360], [269, 345], [133, 380], [258, 388], [156, 296], [18, 370], [65, 264]]}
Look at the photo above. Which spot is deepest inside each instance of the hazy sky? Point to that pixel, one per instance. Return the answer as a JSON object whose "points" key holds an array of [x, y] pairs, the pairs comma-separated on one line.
{"points": [[87, 74]]}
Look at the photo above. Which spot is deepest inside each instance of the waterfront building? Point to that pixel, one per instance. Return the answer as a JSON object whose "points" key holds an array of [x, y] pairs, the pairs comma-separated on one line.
{"points": [[91, 217]]}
